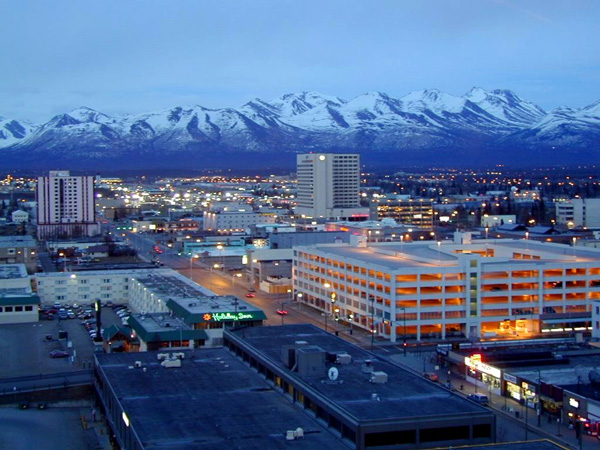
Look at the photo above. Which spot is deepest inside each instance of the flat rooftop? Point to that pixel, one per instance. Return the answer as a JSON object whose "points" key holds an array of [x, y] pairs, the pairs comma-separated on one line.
{"points": [[401, 255], [16, 241], [168, 283], [405, 395], [213, 401], [12, 271]]}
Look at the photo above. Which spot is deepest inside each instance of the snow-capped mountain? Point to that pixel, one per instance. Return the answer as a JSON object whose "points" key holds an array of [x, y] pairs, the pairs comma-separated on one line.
{"points": [[13, 131], [421, 127]]}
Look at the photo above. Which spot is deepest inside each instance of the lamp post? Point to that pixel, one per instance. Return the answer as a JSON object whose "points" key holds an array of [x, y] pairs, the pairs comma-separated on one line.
{"points": [[64, 258], [372, 300], [539, 398], [192, 256], [283, 315], [403, 328], [233, 276], [220, 248]]}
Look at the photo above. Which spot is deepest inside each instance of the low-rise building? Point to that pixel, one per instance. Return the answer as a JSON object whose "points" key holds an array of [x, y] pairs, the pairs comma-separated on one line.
{"points": [[280, 387], [19, 250], [19, 216], [18, 304]]}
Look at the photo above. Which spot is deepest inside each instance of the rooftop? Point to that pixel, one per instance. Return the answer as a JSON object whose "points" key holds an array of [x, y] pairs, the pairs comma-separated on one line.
{"points": [[159, 327], [17, 241], [402, 396], [398, 255], [213, 401], [12, 271], [219, 308]]}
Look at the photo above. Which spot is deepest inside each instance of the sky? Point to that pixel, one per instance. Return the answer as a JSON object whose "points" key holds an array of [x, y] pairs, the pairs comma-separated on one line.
{"points": [[134, 56]]}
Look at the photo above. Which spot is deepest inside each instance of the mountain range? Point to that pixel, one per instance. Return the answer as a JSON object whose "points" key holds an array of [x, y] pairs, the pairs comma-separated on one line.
{"points": [[427, 127]]}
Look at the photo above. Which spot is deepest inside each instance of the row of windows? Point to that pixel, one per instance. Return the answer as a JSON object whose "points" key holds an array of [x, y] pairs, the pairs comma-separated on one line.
{"points": [[10, 309], [80, 281]]}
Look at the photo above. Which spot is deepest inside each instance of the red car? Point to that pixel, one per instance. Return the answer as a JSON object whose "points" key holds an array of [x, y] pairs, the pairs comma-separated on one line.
{"points": [[282, 312], [250, 295]]}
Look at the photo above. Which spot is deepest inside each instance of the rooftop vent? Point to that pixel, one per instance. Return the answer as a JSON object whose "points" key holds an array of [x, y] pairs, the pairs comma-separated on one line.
{"points": [[367, 367]]}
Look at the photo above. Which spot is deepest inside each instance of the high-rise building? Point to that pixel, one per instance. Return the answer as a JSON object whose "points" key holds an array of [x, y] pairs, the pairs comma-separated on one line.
{"points": [[578, 212], [65, 206], [329, 186]]}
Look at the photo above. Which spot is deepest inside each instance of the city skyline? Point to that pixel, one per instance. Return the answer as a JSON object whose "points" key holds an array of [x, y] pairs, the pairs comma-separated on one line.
{"points": [[137, 57]]}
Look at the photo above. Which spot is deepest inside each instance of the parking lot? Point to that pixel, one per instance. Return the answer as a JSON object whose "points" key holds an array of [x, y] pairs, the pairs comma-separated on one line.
{"points": [[26, 351]]}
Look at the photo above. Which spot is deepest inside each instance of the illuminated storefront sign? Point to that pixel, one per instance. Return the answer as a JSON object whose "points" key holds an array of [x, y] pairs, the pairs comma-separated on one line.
{"points": [[474, 362], [229, 316], [574, 403], [510, 378]]}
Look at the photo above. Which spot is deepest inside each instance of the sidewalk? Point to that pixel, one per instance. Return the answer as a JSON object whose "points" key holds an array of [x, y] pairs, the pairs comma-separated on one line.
{"points": [[93, 421], [503, 406]]}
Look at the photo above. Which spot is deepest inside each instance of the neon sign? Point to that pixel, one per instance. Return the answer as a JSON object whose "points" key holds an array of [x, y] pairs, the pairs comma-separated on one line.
{"points": [[475, 363], [228, 316]]}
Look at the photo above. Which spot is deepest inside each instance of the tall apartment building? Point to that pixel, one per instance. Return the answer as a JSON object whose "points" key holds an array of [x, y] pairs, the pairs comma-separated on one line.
{"points": [[329, 186], [496, 289], [578, 212], [65, 206]]}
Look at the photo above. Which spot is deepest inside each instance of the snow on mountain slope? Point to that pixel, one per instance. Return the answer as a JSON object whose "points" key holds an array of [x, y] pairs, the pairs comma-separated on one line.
{"points": [[506, 106], [289, 105], [373, 123], [13, 131], [432, 100]]}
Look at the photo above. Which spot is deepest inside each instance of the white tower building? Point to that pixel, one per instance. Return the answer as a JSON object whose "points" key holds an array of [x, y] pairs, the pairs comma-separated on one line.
{"points": [[329, 186], [65, 206]]}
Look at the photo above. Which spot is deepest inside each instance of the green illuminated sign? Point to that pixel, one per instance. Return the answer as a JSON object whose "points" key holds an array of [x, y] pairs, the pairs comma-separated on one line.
{"points": [[228, 316]]}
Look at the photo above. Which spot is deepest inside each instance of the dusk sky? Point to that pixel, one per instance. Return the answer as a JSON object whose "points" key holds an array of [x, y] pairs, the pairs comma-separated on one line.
{"points": [[135, 56]]}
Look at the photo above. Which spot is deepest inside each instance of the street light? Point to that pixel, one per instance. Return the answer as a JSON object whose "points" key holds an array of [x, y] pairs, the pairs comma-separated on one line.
{"points": [[238, 275], [404, 329], [372, 300], [220, 248], [192, 256], [64, 258], [283, 314]]}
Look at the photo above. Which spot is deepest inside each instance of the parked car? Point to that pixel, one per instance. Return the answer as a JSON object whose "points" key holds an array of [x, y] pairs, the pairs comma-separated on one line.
{"points": [[282, 312], [482, 399], [250, 295], [59, 354], [432, 376]]}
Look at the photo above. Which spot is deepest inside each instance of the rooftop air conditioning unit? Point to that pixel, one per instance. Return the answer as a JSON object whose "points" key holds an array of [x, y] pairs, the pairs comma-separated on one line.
{"points": [[343, 358], [378, 378], [168, 363]]}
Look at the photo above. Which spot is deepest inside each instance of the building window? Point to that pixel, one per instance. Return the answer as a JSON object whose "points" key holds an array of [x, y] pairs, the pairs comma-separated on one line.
{"points": [[29, 308], [18, 309], [8, 309]]}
